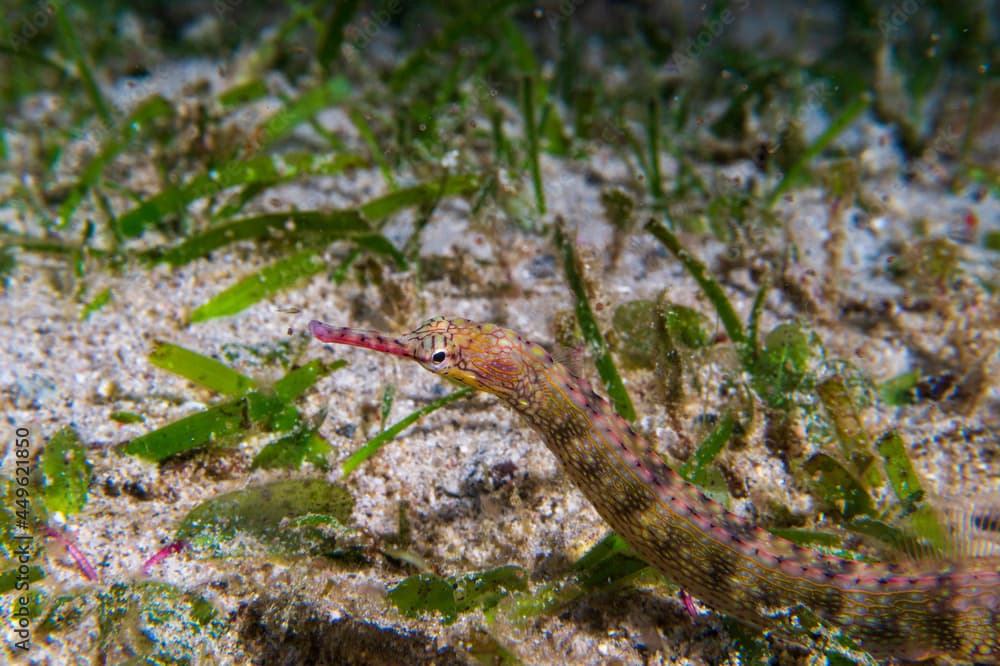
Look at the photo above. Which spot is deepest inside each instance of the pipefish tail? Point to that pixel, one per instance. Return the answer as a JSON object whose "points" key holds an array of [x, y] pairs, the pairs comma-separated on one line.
{"points": [[908, 611]]}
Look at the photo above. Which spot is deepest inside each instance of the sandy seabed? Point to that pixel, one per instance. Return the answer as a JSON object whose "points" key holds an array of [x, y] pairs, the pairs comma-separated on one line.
{"points": [[57, 369]]}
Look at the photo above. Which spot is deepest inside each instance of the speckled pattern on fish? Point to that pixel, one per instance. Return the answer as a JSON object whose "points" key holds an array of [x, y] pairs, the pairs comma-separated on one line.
{"points": [[908, 611]]}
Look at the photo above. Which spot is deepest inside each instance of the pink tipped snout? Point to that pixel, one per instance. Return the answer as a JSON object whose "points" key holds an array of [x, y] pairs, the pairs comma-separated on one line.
{"points": [[323, 332], [359, 338]]}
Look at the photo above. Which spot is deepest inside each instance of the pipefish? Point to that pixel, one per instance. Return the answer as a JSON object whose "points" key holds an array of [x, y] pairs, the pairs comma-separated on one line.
{"points": [[907, 611]]}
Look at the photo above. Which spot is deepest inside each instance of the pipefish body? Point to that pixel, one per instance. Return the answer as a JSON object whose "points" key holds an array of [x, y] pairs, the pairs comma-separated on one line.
{"points": [[907, 611]]}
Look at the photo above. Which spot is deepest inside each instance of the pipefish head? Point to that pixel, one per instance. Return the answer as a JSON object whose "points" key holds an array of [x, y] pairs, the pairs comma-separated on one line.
{"points": [[486, 357]]}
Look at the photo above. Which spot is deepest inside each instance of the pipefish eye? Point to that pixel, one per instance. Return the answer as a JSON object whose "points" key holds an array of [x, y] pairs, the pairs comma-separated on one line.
{"points": [[439, 356]]}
